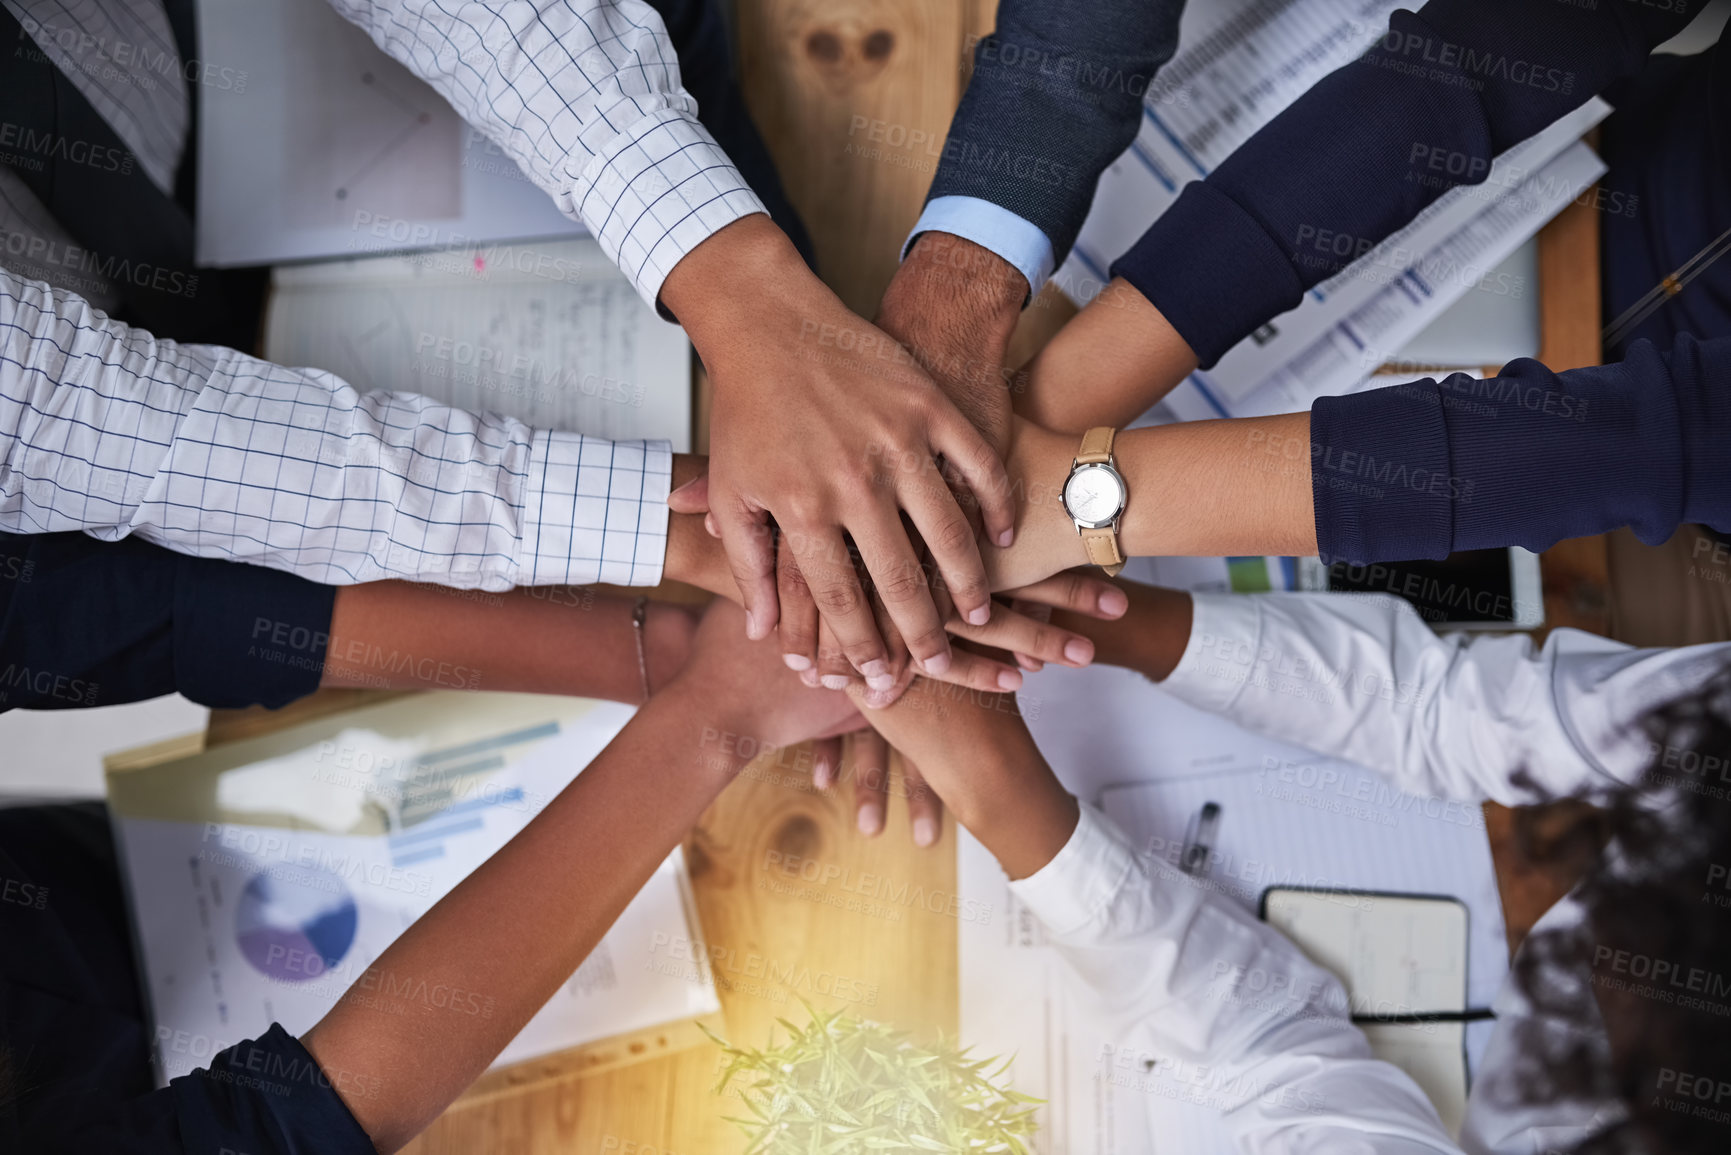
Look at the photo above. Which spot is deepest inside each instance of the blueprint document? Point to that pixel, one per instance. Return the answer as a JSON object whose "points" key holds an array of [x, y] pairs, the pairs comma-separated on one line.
{"points": [[1241, 63]]}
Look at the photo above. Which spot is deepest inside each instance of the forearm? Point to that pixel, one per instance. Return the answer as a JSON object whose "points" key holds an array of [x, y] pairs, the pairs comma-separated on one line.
{"points": [[974, 751], [548, 640], [1526, 458], [1108, 366], [1149, 638], [516, 928], [1196, 489]]}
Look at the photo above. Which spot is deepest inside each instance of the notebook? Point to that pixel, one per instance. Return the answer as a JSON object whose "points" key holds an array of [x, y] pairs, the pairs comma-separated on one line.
{"points": [[1399, 957]]}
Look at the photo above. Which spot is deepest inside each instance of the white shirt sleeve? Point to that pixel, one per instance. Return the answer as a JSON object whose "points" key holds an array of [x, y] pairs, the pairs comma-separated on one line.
{"points": [[1362, 677], [209, 452], [1223, 1004], [585, 96]]}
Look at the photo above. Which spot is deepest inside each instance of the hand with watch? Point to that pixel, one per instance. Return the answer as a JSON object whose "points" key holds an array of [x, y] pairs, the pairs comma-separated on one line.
{"points": [[1203, 489], [1095, 495]]}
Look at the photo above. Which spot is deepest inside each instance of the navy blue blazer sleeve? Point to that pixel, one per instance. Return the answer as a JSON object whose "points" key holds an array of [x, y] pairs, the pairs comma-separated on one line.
{"points": [[1056, 96], [1365, 150], [93, 623], [1526, 458]]}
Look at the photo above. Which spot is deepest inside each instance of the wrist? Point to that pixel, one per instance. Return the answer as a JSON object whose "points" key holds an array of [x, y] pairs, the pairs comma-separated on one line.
{"points": [[727, 285], [1046, 539]]}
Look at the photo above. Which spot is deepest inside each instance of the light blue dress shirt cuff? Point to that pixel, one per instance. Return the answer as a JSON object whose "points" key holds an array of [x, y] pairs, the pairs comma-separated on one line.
{"points": [[1018, 241]]}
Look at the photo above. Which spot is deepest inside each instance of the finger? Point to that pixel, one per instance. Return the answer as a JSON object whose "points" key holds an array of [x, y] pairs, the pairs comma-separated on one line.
{"points": [[899, 583], [825, 762], [829, 573], [871, 773], [978, 672], [925, 809], [1035, 612], [954, 549], [1078, 592], [833, 671], [900, 660], [1026, 635], [692, 497], [798, 627], [967, 451], [750, 546]]}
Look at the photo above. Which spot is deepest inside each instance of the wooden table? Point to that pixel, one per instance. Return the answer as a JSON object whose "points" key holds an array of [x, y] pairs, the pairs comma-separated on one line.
{"points": [[819, 76]]}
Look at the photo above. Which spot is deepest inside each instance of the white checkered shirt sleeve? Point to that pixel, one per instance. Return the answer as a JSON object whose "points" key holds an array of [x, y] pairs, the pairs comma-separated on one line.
{"points": [[585, 96], [210, 452]]}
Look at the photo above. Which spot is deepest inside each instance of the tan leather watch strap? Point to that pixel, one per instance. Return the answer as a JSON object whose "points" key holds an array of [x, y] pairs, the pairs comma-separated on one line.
{"points": [[1103, 551], [1096, 446]]}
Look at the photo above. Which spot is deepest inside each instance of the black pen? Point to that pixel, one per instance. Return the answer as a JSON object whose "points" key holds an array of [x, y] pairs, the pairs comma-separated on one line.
{"points": [[1199, 840]]}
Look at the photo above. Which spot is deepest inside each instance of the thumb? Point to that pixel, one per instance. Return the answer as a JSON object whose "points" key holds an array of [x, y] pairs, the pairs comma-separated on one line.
{"points": [[692, 497]]}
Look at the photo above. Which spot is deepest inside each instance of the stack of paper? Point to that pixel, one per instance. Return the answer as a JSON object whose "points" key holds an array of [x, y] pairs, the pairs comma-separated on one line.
{"points": [[1240, 63]]}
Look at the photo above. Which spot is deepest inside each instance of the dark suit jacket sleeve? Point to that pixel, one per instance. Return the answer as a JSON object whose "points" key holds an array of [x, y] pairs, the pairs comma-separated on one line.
{"points": [[1526, 458], [1055, 97], [92, 623], [1364, 151]]}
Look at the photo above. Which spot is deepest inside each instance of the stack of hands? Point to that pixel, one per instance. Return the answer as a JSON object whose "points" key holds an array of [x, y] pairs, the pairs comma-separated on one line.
{"points": [[889, 515]]}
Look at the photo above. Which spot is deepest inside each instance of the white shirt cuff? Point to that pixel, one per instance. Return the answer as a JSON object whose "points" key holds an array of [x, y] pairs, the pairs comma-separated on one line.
{"points": [[595, 510], [658, 191], [1221, 656], [992, 227], [1082, 879]]}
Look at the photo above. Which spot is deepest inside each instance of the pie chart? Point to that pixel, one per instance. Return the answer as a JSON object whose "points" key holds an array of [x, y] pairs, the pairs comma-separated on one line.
{"points": [[294, 923]]}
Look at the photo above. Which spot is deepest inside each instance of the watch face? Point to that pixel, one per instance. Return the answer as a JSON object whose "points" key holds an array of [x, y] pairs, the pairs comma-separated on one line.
{"points": [[1094, 495]]}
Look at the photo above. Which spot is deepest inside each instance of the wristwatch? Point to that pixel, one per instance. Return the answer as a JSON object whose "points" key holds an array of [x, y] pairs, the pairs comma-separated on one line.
{"points": [[1095, 496]]}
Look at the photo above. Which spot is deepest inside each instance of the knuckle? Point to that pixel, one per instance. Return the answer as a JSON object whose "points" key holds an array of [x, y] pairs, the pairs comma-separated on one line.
{"points": [[837, 599], [903, 583], [952, 535]]}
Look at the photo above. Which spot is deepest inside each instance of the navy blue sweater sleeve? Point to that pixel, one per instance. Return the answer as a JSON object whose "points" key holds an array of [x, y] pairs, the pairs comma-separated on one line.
{"points": [[92, 623], [269, 1096], [1055, 97], [1364, 151], [1526, 458]]}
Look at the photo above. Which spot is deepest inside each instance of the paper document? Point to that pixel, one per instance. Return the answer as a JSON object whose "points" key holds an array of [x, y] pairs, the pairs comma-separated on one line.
{"points": [[1242, 62], [1289, 818], [549, 333], [266, 877], [325, 146]]}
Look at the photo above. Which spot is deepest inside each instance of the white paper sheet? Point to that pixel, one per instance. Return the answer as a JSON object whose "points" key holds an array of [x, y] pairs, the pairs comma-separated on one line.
{"points": [[244, 922], [325, 146], [547, 332]]}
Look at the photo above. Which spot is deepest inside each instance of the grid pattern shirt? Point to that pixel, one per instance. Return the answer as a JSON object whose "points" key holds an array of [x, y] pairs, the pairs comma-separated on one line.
{"points": [[207, 451], [585, 96]]}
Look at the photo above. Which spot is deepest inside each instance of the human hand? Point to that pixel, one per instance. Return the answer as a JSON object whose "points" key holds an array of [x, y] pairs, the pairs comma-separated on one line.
{"points": [[809, 398], [976, 753], [954, 305], [743, 686], [867, 763]]}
